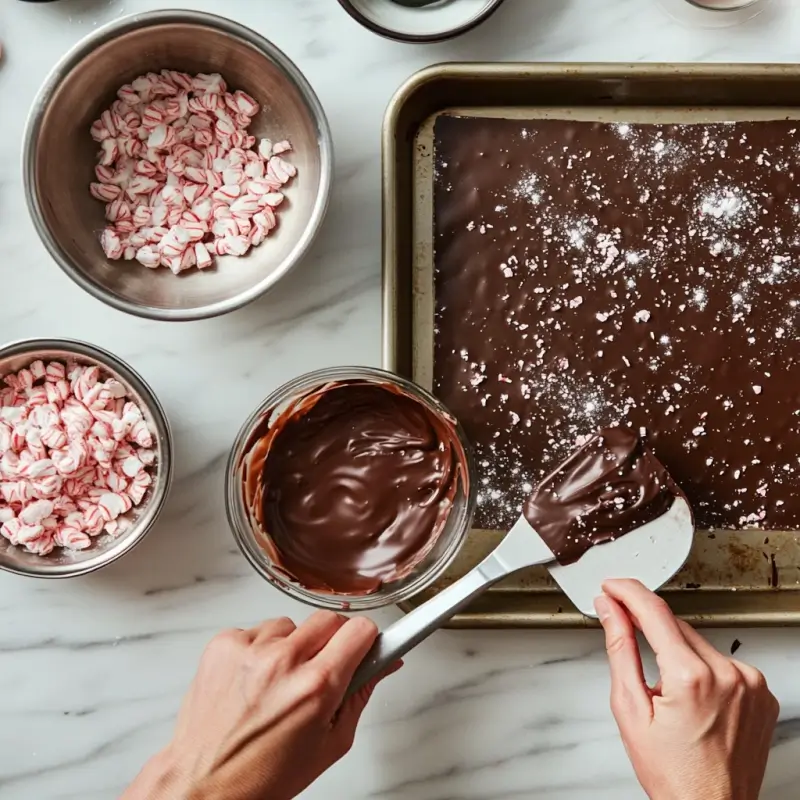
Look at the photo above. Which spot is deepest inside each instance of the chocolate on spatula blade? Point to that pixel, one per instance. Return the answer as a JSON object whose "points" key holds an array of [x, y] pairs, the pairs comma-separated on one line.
{"points": [[611, 510]]}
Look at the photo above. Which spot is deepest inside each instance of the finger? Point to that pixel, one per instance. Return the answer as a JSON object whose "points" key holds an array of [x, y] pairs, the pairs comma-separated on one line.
{"points": [[656, 621], [756, 682], [349, 715], [752, 677], [270, 630], [701, 645], [341, 656], [315, 633], [629, 694], [354, 706]]}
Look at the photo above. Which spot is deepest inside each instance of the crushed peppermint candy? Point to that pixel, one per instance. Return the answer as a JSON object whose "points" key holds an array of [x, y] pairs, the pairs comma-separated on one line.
{"points": [[76, 456], [182, 179]]}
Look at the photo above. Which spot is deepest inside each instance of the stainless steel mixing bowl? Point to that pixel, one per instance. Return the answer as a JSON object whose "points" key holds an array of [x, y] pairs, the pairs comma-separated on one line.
{"points": [[60, 155], [63, 563]]}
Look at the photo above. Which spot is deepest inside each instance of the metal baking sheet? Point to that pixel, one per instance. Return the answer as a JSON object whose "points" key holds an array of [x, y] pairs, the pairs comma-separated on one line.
{"points": [[733, 578]]}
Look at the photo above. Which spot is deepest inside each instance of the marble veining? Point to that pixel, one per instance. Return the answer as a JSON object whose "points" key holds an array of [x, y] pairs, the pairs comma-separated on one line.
{"points": [[93, 669]]}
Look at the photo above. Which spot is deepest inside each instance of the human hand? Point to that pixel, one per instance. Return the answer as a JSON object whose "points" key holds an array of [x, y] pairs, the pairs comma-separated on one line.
{"points": [[264, 716], [704, 731]]}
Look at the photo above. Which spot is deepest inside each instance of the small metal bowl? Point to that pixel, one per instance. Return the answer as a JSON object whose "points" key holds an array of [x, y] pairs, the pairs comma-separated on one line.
{"points": [[714, 13], [420, 21], [105, 549], [248, 533], [723, 5], [59, 159]]}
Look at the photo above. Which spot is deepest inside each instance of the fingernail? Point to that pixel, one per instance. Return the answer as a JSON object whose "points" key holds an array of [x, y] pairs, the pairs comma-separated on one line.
{"points": [[602, 607]]}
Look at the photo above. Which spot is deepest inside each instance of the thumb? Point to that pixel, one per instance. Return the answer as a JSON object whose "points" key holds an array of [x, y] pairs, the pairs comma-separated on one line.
{"points": [[349, 715], [630, 697]]}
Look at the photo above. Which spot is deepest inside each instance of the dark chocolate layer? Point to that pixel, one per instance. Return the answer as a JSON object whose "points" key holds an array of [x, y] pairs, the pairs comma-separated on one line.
{"points": [[593, 274], [607, 488], [357, 483]]}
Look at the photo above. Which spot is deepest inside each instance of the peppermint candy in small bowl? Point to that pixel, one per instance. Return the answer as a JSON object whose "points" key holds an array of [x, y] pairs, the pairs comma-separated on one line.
{"points": [[177, 165], [85, 458]]}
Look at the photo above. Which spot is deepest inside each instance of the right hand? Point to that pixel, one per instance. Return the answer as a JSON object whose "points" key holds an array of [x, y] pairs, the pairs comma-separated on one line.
{"points": [[704, 731]]}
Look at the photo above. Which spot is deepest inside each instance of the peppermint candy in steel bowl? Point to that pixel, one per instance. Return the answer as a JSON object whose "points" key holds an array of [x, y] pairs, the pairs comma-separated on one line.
{"points": [[85, 458], [177, 142]]}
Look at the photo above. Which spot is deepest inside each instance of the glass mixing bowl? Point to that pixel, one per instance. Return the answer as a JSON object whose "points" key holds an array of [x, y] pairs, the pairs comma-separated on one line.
{"points": [[247, 532]]}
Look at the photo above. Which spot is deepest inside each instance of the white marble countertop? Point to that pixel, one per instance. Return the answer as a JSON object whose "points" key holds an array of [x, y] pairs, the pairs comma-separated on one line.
{"points": [[92, 670]]}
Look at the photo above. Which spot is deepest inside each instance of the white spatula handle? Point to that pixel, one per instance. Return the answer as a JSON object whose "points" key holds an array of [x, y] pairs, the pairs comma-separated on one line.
{"points": [[393, 643]]}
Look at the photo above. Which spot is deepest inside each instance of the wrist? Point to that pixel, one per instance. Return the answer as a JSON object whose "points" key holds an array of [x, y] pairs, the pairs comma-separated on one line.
{"points": [[161, 779]]}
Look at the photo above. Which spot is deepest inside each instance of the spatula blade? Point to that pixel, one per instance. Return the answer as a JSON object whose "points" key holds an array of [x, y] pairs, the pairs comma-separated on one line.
{"points": [[652, 553]]}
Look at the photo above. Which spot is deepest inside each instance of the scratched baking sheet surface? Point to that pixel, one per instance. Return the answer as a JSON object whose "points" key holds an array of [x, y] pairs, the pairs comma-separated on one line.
{"points": [[745, 576]]}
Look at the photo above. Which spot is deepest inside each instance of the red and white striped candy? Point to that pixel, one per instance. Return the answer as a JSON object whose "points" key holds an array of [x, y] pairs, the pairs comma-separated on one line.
{"points": [[238, 245], [247, 206], [148, 256], [109, 152], [16, 492], [37, 396], [227, 194], [202, 256], [162, 138], [224, 227], [54, 438], [112, 505], [111, 244], [203, 138], [99, 131], [128, 95], [203, 210], [265, 149], [35, 512], [233, 176], [159, 220], [141, 184], [118, 210], [11, 466], [265, 219], [169, 142], [195, 228], [243, 226], [71, 538], [255, 169], [246, 104], [94, 519], [55, 371], [105, 191], [152, 117], [129, 147], [104, 174], [283, 170], [107, 120], [258, 235]]}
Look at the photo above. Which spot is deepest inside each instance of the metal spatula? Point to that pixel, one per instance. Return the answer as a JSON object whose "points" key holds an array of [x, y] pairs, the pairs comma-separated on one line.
{"points": [[653, 553]]}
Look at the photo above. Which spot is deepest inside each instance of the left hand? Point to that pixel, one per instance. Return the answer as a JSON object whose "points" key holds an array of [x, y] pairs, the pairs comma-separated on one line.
{"points": [[265, 716]]}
